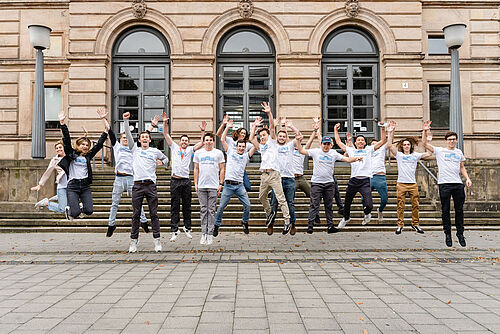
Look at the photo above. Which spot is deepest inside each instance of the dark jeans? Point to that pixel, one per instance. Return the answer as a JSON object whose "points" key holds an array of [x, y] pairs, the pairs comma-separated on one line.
{"points": [[363, 187], [379, 183], [139, 191], [318, 190], [446, 191], [79, 190], [246, 182], [180, 189], [288, 184], [338, 199]]}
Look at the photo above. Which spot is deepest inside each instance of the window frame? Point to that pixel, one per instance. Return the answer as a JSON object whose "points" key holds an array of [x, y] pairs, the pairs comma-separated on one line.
{"points": [[441, 84]]}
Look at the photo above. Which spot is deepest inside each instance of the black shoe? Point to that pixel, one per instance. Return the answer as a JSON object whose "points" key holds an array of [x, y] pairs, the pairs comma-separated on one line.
{"points": [[145, 227], [111, 229], [418, 229], [448, 240], [461, 240], [332, 229], [286, 228], [245, 228], [309, 230], [399, 230], [270, 217], [293, 229], [216, 231], [341, 212]]}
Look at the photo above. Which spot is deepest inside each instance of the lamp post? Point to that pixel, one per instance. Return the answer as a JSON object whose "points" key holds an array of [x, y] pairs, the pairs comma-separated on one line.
{"points": [[40, 40], [454, 35]]}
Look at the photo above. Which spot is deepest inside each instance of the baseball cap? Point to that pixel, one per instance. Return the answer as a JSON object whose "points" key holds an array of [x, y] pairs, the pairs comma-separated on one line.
{"points": [[326, 139]]}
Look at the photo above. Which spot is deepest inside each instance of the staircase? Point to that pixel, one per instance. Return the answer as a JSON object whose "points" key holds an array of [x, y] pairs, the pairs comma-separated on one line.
{"points": [[29, 220]]}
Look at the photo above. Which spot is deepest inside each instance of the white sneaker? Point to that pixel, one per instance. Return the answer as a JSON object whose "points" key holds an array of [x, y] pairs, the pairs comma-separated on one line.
{"points": [[367, 219], [67, 214], [203, 240], [43, 202], [53, 198], [157, 243], [380, 217], [133, 245], [343, 222], [210, 240], [174, 235], [187, 232]]}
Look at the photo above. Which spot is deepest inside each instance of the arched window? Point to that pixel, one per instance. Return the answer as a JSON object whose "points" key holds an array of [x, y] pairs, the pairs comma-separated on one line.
{"points": [[350, 82], [140, 79]]}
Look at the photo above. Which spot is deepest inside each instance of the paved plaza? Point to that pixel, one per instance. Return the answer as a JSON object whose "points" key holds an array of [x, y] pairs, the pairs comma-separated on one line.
{"points": [[350, 282]]}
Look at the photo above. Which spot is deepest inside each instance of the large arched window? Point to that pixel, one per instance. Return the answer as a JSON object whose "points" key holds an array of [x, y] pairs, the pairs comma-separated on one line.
{"points": [[140, 79], [350, 82], [245, 72]]}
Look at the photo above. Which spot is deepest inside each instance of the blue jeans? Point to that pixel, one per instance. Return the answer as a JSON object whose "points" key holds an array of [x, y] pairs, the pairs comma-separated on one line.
{"points": [[379, 183], [246, 182], [62, 201], [122, 184], [288, 184], [228, 192]]}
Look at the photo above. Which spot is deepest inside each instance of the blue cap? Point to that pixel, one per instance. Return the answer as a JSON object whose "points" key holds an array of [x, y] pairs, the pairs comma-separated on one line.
{"points": [[326, 139]]}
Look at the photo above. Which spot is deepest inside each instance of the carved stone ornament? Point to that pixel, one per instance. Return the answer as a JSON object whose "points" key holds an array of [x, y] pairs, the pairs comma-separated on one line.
{"points": [[140, 8], [245, 8], [352, 8]]}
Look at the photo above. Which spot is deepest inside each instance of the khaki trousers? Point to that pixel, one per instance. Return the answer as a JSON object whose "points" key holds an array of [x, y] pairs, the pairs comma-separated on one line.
{"points": [[272, 180], [401, 190]]}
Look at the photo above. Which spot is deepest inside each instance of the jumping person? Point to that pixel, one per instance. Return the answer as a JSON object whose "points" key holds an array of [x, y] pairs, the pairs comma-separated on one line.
{"points": [[76, 165], [144, 163], [239, 134], [361, 172], [270, 177], [322, 182], [61, 180], [237, 159], [407, 160], [450, 161], [209, 166], [180, 183]]}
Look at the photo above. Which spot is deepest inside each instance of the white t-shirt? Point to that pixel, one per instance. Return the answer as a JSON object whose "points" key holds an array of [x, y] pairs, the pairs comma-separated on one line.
{"points": [[407, 165], [448, 162], [323, 164], [298, 162], [78, 168], [181, 159], [144, 162], [208, 161], [123, 159], [63, 182], [285, 159], [363, 168], [269, 155], [235, 166], [378, 161], [232, 144]]}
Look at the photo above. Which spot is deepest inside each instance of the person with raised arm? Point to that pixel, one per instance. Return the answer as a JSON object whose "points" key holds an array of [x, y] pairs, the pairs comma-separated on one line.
{"points": [[181, 155], [144, 163], [76, 165], [237, 159], [361, 172], [450, 162], [209, 167], [322, 181], [407, 160], [270, 177], [61, 180]]}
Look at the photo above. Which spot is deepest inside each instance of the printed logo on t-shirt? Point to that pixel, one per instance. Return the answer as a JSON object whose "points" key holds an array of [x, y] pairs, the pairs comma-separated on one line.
{"points": [[452, 157], [125, 149], [237, 156], [325, 159], [283, 149], [207, 160], [363, 151], [147, 156], [81, 161], [408, 158], [296, 153]]}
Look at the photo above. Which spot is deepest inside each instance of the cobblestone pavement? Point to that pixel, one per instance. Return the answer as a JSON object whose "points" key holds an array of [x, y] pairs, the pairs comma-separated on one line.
{"points": [[371, 282]]}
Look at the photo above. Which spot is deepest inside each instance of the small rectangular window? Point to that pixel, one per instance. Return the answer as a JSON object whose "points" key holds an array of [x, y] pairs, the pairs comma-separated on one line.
{"points": [[439, 104], [52, 106], [436, 45]]}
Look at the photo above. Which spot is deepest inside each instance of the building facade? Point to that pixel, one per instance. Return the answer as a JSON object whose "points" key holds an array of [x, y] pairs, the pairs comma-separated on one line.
{"points": [[350, 62]]}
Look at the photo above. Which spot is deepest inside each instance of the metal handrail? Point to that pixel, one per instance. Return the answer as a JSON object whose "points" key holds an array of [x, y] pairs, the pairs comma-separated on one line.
{"points": [[102, 155], [428, 171]]}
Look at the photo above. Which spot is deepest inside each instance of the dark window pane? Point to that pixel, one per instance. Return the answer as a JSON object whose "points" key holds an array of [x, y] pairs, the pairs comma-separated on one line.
{"points": [[233, 101], [156, 72], [233, 106], [158, 143], [363, 113], [233, 84], [128, 84], [154, 85], [336, 71], [128, 72], [232, 72], [246, 42], [150, 113], [259, 84], [336, 113], [436, 45], [362, 100], [337, 100], [141, 42], [337, 83], [349, 42], [362, 83], [362, 71], [439, 103], [255, 108], [128, 101], [154, 101], [331, 126], [260, 71], [134, 113]]}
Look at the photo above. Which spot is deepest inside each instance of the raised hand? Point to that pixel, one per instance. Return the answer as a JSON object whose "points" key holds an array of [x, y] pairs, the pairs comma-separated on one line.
{"points": [[101, 112], [155, 120], [391, 127], [348, 137], [126, 115], [36, 188], [316, 120], [203, 125], [85, 132], [164, 117], [288, 123], [62, 117], [299, 137], [427, 125], [316, 126], [276, 122], [266, 107], [337, 126], [258, 121], [225, 119], [230, 123]]}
